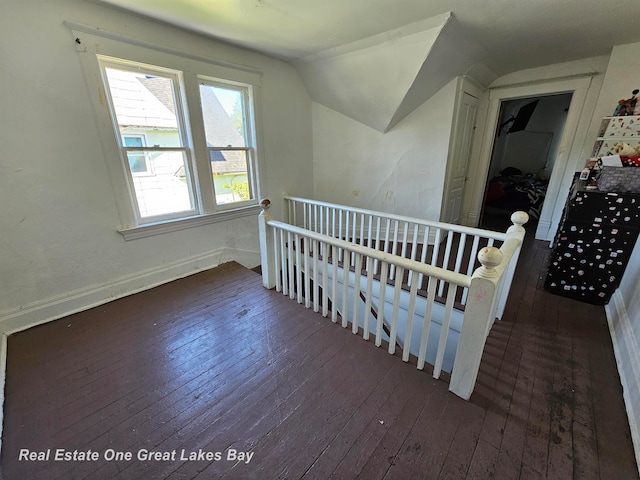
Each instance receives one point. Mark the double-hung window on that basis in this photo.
(146, 107)
(183, 147)
(228, 136)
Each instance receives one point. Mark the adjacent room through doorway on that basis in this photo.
(525, 148)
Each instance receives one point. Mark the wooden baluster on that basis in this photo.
(356, 293)
(354, 237)
(305, 216)
(445, 261)
(444, 330)
(367, 304)
(405, 240)
(375, 262)
(436, 247)
(461, 247)
(409, 323)
(384, 269)
(396, 305)
(325, 280)
(370, 231)
(471, 266)
(306, 272)
(316, 288)
(298, 264)
(414, 248)
(423, 253)
(334, 283)
(283, 259)
(431, 295)
(347, 222)
(333, 222)
(292, 288)
(277, 252)
(387, 246)
(394, 249)
(345, 289)
(342, 213)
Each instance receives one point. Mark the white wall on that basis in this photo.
(623, 311)
(59, 248)
(401, 171)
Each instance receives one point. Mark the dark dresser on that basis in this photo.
(594, 241)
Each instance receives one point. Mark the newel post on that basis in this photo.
(515, 233)
(518, 219)
(475, 326)
(267, 254)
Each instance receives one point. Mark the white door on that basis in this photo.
(456, 177)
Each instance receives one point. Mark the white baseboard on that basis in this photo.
(543, 232)
(627, 352)
(59, 306)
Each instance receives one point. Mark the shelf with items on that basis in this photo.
(614, 131)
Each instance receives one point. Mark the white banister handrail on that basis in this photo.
(299, 261)
(425, 269)
(508, 248)
(401, 218)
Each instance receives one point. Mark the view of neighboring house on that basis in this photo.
(145, 107)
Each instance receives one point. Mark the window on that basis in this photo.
(138, 160)
(224, 111)
(186, 151)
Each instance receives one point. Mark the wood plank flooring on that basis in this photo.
(216, 363)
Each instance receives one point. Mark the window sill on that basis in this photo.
(159, 228)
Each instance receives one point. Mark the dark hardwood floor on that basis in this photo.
(216, 363)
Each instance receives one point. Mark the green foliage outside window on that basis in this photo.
(240, 190)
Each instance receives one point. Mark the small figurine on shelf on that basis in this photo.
(626, 107)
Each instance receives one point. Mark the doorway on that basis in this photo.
(567, 160)
(525, 148)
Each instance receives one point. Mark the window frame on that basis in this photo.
(184, 134)
(92, 45)
(248, 115)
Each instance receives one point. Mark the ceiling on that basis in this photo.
(514, 34)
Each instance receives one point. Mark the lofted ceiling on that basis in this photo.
(424, 43)
(516, 34)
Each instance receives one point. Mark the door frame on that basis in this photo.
(570, 147)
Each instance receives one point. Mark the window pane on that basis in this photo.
(137, 160)
(145, 105)
(230, 176)
(145, 108)
(166, 191)
(223, 112)
(133, 141)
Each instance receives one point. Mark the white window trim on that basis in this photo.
(150, 229)
(90, 42)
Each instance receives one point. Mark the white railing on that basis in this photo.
(452, 247)
(315, 264)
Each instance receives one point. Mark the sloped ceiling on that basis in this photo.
(493, 37)
(369, 80)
